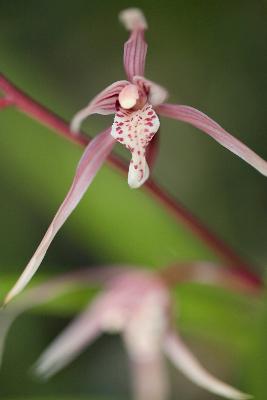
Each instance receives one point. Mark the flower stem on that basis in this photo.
(23, 102)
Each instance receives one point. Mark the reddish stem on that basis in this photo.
(5, 102)
(36, 111)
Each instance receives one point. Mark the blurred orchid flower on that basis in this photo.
(136, 103)
(136, 304)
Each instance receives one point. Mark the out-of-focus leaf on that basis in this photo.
(223, 316)
(56, 398)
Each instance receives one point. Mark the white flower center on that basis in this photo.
(128, 96)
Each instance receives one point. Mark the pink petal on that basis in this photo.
(38, 295)
(93, 157)
(207, 125)
(104, 103)
(135, 48)
(108, 312)
(53, 288)
(185, 361)
(135, 129)
(208, 273)
(149, 379)
(156, 93)
(69, 344)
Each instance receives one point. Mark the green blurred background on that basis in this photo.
(209, 54)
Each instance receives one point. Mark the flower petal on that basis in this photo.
(135, 129)
(207, 125)
(183, 359)
(69, 344)
(53, 288)
(107, 312)
(156, 93)
(35, 296)
(135, 48)
(104, 103)
(205, 272)
(94, 156)
(149, 378)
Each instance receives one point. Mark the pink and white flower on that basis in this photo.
(136, 103)
(136, 304)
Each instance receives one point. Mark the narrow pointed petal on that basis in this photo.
(94, 156)
(135, 129)
(207, 125)
(185, 361)
(104, 103)
(52, 289)
(149, 379)
(38, 295)
(209, 273)
(135, 48)
(156, 93)
(69, 344)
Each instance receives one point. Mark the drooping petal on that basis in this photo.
(53, 288)
(135, 48)
(207, 125)
(38, 295)
(104, 103)
(156, 93)
(185, 361)
(135, 129)
(108, 312)
(69, 344)
(93, 157)
(149, 378)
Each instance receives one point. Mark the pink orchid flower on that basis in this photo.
(137, 304)
(135, 103)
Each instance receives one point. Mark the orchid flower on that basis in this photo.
(135, 303)
(136, 103)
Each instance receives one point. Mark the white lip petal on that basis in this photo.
(136, 177)
(135, 129)
(186, 362)
(149, 378)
